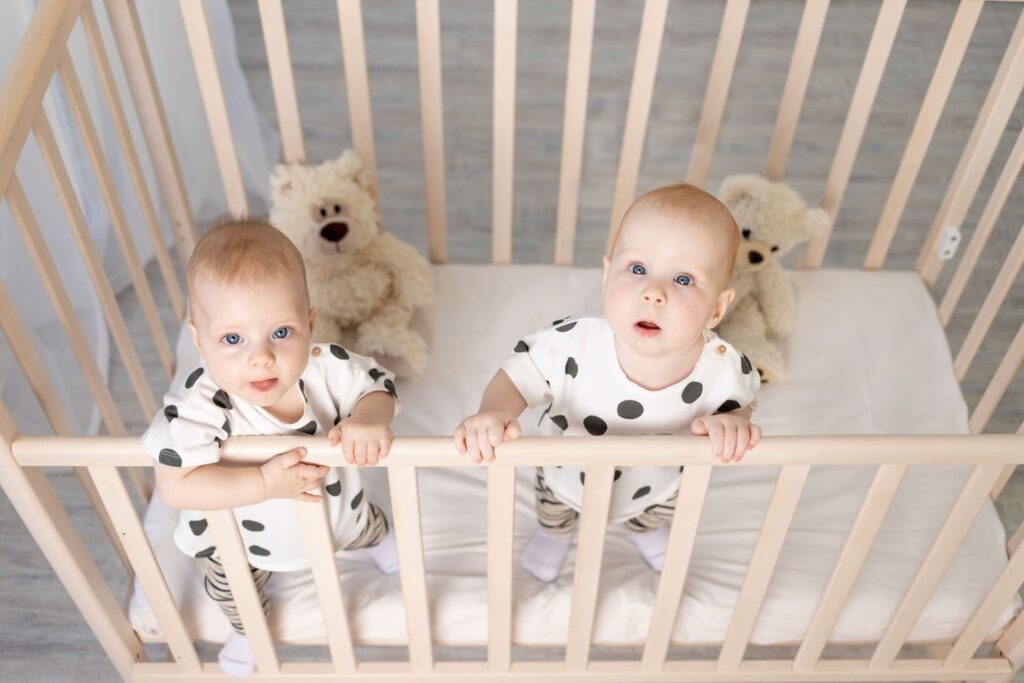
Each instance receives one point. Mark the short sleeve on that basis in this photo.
(351, 376)
(738, 382)
(194, 422)
(535, 362)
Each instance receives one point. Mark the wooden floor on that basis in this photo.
(42, 636)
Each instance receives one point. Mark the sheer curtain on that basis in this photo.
(258, 147)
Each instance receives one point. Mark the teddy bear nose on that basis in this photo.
(755, 257)
(334, 232)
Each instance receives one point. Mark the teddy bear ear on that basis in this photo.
(353, 164)
(281, 180)
(736, 188)
(817, 223)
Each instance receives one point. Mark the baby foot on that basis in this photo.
(385, 554)
(652, 545)
(544, 555)
(236, 658)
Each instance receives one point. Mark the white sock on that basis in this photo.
(652, 545)
(385, 554)
(236, 657)
(544, 555)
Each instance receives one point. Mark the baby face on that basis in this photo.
(255, 338)
(664, 282)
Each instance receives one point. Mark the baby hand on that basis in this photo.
(286, 476)
(731, 435)
(362, 442)
(479, 434)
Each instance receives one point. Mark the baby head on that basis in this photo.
(251, 318)
(667, 276)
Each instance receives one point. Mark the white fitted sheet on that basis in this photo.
(867, 356)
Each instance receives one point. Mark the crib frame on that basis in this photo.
(101, 461)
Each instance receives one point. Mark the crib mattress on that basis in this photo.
(868, 356)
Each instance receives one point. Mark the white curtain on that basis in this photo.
(258, 147)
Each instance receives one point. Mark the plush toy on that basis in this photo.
(772, 219)
(364, 283)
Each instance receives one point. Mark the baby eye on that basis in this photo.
(282, 333)
(683, 280)
(637, 269)
(231, 339)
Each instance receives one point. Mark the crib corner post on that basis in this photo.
(1011, 645)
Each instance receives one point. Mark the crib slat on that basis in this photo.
(504, 125)
(802, 62)
(689, 505)
(124, 21)
(118, 220)
(762, 564)
(1002, 481)
(320, 544)
(924, 128)
(94, 264)
(990, 307)
(597, 495)
(946, 543)
(357, 85)
(574, 123)
(132, 163)
(117, 503)
(988, 129)
(645, 68)
(235, 562)
(405, 505)
(877, 56)
(428, 37)
(719, 80)
(1000, 381)
(212, 91)
(282, 80)
(501, 502)
(862, 535)
(980, 235)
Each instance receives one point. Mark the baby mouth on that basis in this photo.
(646, 328)
(264, 384)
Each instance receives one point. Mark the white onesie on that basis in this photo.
(198, 416)
(573, 366)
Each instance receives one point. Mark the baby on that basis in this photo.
(260, 374)
(651, 365)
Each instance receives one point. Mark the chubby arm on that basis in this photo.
(496, 420)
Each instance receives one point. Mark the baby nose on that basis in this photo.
(654, 295)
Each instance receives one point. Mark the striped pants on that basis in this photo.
(216, 583)
(559, 519)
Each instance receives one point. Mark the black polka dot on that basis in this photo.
(220, 441)
(692, 392)
(566, 327)
(252, 525)
(630, 410)
(681, 468)
(226, 427)
(595, 425)
(390, 387)
(745, 365)
(170, 412)
(207, 552)
(357, 499)
(221, 399)
(337, 420)
(641, 492)
(308, 428)
(196, 374)
(728, 406)
(170, 457)
(198, 526)
(376, 374)
(618, 473)
(583, 477)
(571, 368)
(560, 320)
(302, 389)
(334, 489)
(521, 347)
(339, 352)
(560, 420)
(258, 550)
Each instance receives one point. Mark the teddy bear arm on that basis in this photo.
(414, 283)
(777, 300)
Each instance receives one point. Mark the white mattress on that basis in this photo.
(868, 356)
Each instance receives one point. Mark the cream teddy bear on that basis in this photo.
(772, 219)
(364, 283)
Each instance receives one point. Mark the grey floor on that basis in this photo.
(42, 635)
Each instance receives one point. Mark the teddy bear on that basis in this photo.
(364, 283)
(772, 219)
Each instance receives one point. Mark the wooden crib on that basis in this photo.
(100, 462)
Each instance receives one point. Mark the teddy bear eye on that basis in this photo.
(337, 208)
(323, 213)
(775, 248)
(746, 233)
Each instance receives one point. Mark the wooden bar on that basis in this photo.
(719, 80)
(924, 128)
(501, 503)
(282, 80)
(1015, 540)
(807, 39)
(1007, 472)
(504, 129)
(357, 84)
(597, 495)
(877, 56)
(574, 123)
(428, 36)
(988, 129)
(783, 504)
(685, 520)
(405, 505)
(132, 162)
(999, 383)
(645, 68)
(198, 31)
(233, 558)
(1011, 644)
(862, 535)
